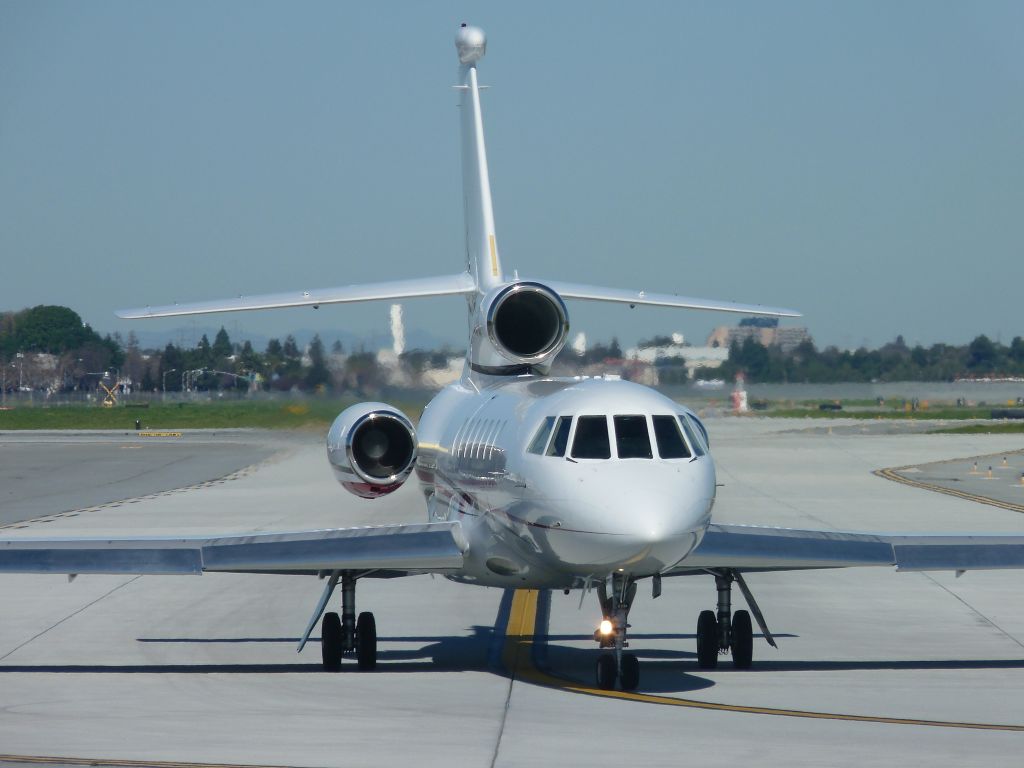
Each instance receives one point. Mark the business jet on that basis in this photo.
(529, 481)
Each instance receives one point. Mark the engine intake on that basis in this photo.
(372, 449)
(527, 322)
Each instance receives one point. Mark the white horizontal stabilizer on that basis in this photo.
(621, 296)
(446, 285)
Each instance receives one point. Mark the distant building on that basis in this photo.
(692, 358)
(765, 330)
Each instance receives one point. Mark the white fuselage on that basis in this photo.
(535, 511)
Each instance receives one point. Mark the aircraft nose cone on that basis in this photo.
(655, 518)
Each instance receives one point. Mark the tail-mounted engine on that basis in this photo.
(518, 328)
(372, 449)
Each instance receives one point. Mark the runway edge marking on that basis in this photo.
(518, 658)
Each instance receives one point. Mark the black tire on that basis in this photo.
(629, 675)
(366, 641)
(742, 640)
(606, 671)
(707, 640)
(330, 642)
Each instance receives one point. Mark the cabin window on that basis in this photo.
(670, 441)
(632, 439)
(591, 439)
(691, 436)
(540, 440)
(561, 438)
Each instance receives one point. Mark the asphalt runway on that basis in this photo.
(873, 666)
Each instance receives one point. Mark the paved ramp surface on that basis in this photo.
(873, 666)
(43, 473)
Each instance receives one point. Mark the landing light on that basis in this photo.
(606, 627)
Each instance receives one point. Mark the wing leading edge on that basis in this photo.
(752, 548)
(398, 549)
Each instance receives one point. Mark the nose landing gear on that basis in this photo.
(616, 664)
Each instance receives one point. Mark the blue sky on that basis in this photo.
(862, 162)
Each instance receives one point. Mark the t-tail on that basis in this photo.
(482, 258)
(515, 326)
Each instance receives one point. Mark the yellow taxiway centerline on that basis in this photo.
(518, 659)
(892, 474)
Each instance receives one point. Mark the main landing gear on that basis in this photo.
(725, 631)
(346, 634)
(616, 664)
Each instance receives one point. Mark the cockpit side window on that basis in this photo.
(703, 431)
(540, 440)
(561, 438)
(670, 441)
(632, 439)
(691, 436)
(591, 439)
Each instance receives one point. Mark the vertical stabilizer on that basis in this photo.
(482, 256)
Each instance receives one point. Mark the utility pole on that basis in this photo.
(165, 381)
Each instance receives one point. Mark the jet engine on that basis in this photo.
(519, 327)
(372, 449)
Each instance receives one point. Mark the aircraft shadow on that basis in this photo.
(665, 670)
(892, 665)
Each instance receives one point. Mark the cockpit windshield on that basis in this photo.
(632, 439)
(678, 436)
(670, 441)
(591, 438)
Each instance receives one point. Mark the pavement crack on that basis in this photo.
(504, 717)
(734, 479)
(972, 609)
(69, 616)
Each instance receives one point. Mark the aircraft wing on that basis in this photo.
(622, 296)
(394, 549)
(446, 285)
(753, 548)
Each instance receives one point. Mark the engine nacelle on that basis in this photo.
(372, 449)
(518, 327)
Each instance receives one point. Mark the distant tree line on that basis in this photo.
(77, 351)
(895, 361)
(80, 357)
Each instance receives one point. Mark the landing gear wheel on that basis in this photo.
(366, 641)
(629, 675)
(606, 671)
(707, 640)
(742, 640)
(330, 642)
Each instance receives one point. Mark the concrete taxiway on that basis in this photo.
(873, 666)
